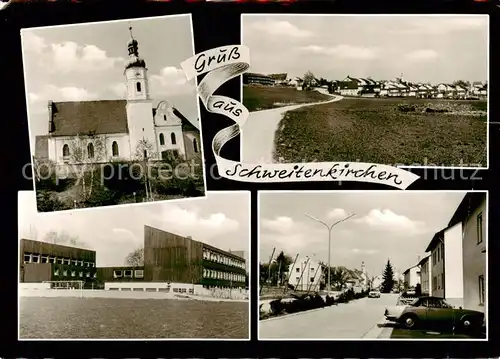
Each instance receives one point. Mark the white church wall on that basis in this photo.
(140, 124)
(167, 132)
(122, 140)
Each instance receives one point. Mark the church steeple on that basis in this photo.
(135, 72)
(133, 53)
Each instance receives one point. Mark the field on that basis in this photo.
(92, 318)
(388, 131)
(257, 98)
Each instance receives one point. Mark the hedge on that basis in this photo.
(306, 302)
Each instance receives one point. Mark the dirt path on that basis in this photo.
(259, 131)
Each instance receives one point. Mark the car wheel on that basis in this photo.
(468, 324)
(409, 321)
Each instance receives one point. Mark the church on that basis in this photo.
(110, 130)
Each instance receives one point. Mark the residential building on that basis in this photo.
(472, 214)
(42, 261)
(411, 277)
(479, 90)
(305, 274)
(351, 86)
(446, 248)
(108, 130)
(425, 91)
(446, 91)
(280, 79)
(257, 79)
(436, 249)
(425, 275)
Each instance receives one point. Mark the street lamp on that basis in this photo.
(329, 227)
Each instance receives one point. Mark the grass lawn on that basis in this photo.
(377, 131)
(256, 98)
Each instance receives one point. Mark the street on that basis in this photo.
(258, 132)
(359, 319)
(354, 320)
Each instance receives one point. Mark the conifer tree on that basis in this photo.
(388, 278)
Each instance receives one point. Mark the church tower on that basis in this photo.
(139, 105)
(136, 73)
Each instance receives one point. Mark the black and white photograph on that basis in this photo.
(112, 118)
(399, 90)
(157, 272)
(371, 265)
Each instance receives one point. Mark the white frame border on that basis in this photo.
(488, 123)
(249, 268)
(166, 17)
(416, 192)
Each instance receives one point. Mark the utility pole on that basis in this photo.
(329, 227)
(285, 288)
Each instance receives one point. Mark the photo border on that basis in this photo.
(198, 107)
(249, 271)
(488, 41)
(346, 192)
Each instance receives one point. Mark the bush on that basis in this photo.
(102, 196)
(403, 107)
(48, 202)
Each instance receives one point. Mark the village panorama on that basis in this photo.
(385, 99)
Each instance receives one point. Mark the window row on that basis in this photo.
(220, 258)
(38, 258)
(128, 273)
(298, 269)
(438, 254)
(173, 141)
(164, 290)
(73, 273)
(438, 282)
(90, 150)
(210, 273)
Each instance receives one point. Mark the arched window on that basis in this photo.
(162, 139)
(145, 154)
(173, 139)
(90, 150)
(65, 150)
(164, 117)
(138, 86)
(195, 145)
(114, 149)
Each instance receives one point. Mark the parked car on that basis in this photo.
(374, 294)
(432, 311)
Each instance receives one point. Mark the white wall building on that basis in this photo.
(306, 274)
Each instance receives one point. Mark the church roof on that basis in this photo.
(83, 117)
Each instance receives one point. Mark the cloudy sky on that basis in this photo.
(422, 48)
(221, 220)
(395, 225)
(86, 62)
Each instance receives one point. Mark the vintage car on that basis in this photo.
(433, 311)
(374, 294)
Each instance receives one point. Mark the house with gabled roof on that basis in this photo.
(446, 91)
(352, 86)
(125, 129)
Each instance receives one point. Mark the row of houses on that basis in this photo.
(454, 267)
(368, 87)
(308, 274)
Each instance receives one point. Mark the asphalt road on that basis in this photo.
(362, 318)
(258, 132)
